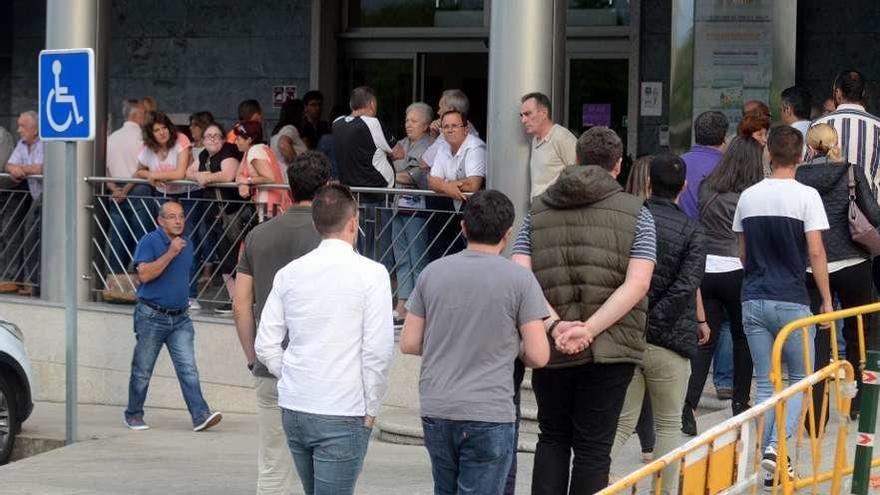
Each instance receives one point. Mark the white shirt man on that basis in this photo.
(553, 146)
(125, 143)
(27, 157)
(335, 307)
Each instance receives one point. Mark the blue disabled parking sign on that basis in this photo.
(67, 95)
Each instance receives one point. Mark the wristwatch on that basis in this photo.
(552, 326)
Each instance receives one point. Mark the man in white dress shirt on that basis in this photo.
(335, 307)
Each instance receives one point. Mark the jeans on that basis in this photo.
(153, 330)
(469, 456)
(578, 409)
(721, 294)
(328, 451)
(274, 465)
(410, 242)
(375, 224)
(762, 321)
(664, 376)
(722, 361)
(31, 246)
(128, 223)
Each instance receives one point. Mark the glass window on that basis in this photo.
(598, 12)
(392, 79)
(415, 13)
(598, 95)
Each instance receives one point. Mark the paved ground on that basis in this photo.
(170, 458)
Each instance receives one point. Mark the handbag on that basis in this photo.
(860, 229)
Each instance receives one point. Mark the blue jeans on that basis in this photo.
(410, 242)
(328, 451)
(153, 330)
(469, 456)
(129, 221)
(762, 321)
(722, 361)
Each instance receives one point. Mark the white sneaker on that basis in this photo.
(194, 305)
(212, 420)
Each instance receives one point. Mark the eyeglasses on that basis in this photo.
(211, 137)
(452, 127)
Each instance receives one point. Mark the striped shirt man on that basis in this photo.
(859, 135)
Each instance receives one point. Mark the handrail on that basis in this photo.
(356, 189)
(34, 176)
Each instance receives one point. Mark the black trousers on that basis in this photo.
(721, 292)
(578, 410)
(853, 287)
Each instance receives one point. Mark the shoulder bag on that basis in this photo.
(860, 229)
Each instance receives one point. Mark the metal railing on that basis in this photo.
(726, 458)
(402, 238)
(20, 225)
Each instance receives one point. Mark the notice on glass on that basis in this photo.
(596, 114)
(280, 94)
(733, 55)
(651, 99)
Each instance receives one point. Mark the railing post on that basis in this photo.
(867, 424)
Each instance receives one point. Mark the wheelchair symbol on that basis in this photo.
(59, 94)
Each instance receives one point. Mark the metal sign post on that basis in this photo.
(867, 424)
(67, 113)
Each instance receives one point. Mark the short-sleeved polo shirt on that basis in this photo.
(170, 290)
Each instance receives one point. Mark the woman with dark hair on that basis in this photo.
(218, 163)
(286, 142)
(198, 122)
(739, 168)
(165, 157)
(259, 166)
(638, 181)
(849, 265)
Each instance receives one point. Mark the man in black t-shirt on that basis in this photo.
(362, 157)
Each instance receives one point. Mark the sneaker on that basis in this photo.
(647, 457)
(724, 393)
(769, 475)
(194, 305)
(223, 309)
(211, 420)
(136, 423)
(688, 422)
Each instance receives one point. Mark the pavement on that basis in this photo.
(171, 458)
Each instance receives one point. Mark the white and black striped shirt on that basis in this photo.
(859, 138)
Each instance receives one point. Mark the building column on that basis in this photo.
(73, 24)
(526, 53)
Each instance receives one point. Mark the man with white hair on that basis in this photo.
(123, 147)
(450, 99)
(19, 246)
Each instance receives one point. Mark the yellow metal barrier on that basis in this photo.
(718, 460)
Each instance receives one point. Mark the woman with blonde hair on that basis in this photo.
(849, 266)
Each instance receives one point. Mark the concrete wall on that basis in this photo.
(106, 342)
(190, 55)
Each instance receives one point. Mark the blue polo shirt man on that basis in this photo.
(163, 259)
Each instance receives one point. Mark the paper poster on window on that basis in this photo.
(733, 55)
(596, 114)
(652, 99)
(280, 94)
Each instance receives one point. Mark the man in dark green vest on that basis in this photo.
(592, 248)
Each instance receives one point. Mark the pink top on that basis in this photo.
(151, 160)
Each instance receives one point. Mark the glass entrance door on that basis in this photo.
(598, 95)
(468, 72)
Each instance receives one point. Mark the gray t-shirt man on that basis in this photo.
(269, 248)
(473, 304)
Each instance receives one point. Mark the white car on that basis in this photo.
(16, 387)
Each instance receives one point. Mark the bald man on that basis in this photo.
(163, 259)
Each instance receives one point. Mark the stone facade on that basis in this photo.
(189, 55)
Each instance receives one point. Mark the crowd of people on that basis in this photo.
(612, 291)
